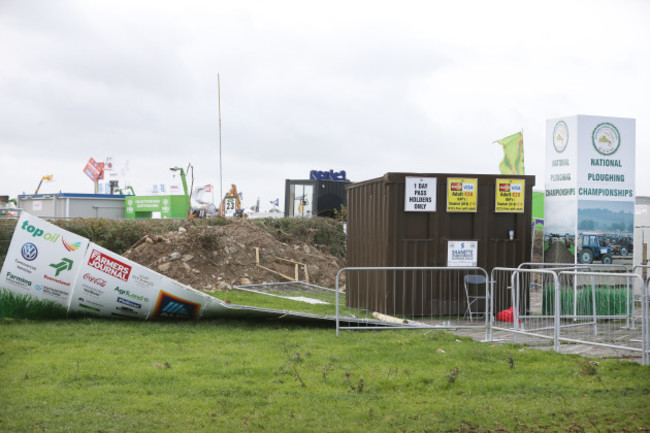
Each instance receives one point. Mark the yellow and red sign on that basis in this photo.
(462, 194)
(510, 195)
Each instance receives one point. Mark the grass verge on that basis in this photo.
(282, 301)
(25, 307)
(93, 375)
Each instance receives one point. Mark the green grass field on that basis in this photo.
(93, 375)
(281, 302)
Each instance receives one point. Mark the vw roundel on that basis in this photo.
(29, 251)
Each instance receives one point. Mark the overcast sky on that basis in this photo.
(368, 87)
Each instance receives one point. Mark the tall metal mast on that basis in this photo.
(220, 165)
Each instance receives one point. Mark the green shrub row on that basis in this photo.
(119, 235)
(609, 300)
(115, 235)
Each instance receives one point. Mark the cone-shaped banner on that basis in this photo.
(45, 262)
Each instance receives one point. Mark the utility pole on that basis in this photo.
(220, 165)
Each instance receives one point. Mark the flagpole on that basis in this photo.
(220, 166)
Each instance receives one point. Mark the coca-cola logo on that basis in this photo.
(95, 280)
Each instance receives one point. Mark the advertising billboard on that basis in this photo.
(590, 175)
(111, 285)
(43, 260)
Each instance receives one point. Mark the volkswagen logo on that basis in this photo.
(29, 251)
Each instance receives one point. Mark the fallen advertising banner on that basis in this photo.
(46, 262)
(43, 260)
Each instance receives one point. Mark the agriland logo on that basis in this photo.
(606, 139)
(131, 295)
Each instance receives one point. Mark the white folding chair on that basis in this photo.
(475, 280)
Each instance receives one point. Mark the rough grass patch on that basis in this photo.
(14, 306)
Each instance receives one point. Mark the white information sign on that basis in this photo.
(607, 159)
(462, 253)
(42, 260)
(230, 206)
(420, 194)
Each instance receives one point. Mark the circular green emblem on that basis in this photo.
(560, 136)
(606, 139)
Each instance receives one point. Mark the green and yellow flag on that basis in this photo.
(513, 154)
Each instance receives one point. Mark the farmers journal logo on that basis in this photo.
(109, 265)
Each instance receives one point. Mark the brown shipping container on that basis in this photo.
(382, 234)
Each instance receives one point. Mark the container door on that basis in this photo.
(302, 196)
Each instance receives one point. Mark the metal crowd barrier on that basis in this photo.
(415, 297)
(597, 305)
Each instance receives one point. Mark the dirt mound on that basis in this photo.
(558, 253)
(218, 257)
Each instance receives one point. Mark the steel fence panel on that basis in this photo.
(594, 267)
(528, 315)
(575, 304)
(645, 317)
(416, 297)
(643, 272)
(599, 309)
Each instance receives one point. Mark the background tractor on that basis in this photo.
(594, 247)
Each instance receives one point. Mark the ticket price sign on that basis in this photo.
(420, 194)
(462, 194)
(510, 195)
